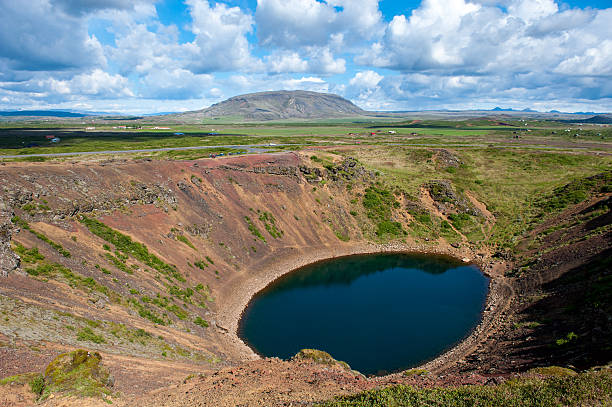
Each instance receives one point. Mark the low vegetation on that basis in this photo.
(254, 230)
(379, 203)
(592, 388)
(79, 373)
(26, 226)
(126, 245)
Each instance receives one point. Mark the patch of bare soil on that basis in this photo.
(273, 382)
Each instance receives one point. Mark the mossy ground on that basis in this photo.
(591, 388)
(78, 373)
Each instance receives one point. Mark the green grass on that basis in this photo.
(145, 312)
(511, 182)
(126, 245)
(378, 203)
(115, 261)
(254, 229)
(25, 225)
(575, 192)
(270, 224)
(44, 269)
(593, 388)
(28, 255)
(86, 334)
(199, 321)
(183, 238)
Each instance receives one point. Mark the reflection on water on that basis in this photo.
(379, 313)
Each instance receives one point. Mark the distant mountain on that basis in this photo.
(279, 105)
(42, 113)
(598, 119)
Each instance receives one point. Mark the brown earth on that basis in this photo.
(207, 201)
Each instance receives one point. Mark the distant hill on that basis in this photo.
(279, 105)
(41, 113)
(598, 119)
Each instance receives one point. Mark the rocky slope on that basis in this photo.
(150, 263)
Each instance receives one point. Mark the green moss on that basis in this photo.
(320, 357)
(79, 373)
(415, 372)
(19, 379)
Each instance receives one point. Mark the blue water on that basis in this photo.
(379, 313)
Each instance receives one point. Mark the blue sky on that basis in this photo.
(146, 56)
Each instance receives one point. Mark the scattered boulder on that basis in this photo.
(446, 159)
(447, 200)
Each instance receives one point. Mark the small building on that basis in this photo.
(179, 134)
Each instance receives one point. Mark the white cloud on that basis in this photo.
(595, 61)
(176, 84)
(38, 37)
(366, 79)
(141, 51)
(99, 83)
(460, 36)
(530, 10)
(221, 43)
(299, 23)
(311, 83)
(284, 61)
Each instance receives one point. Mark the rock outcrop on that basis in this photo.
(9, 261)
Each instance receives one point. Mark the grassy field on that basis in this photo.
(30, 138)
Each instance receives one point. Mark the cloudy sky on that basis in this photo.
(147, 56)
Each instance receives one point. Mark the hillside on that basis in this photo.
(151, 262)
(279, 105)
(598, 119)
